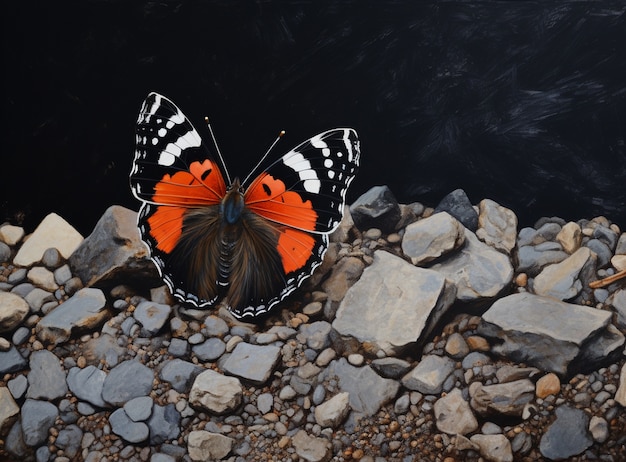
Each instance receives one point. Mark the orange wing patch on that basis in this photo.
(295, 248)
(201, 185)
(268, 197)
(166, 225)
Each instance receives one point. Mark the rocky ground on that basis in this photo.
(428, 334)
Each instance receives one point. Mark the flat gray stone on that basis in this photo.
(567, 436)
(215, 392)
(392, 306)
(69, 439)
(13, 311)
(532, 259)
(17, 386)
(254, 363)
(478, 271)
(37, 418)
(391, 368)
(209, 350)
(84, 311)
(547, 333)
(429, 375)
(46, 379)
(502, 399)
(203, 445)
(12, 361)
(564, 280)
(139, 409)
(124, 427)
(311, 448)
(428, 239)
(152, 317)
(126, 381)
(180, 374)
(164, 424)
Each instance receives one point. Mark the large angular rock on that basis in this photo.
(549, 334)
(502, 399)
(113, 251)
(37, 418)
(216, 393)
(497, 226)
(377, 208)
(84, 311)
(11, 361)
(453, 414)
(152, 317)
(567, 436)
(46, 379)
(332, 412)
(429, 375)
(459, 206)
(13, 310)
(254, 363)
(52, 232)
(564, 280)
(478, 270)
(393, 306)
(428, 239)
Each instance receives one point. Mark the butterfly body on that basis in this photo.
(250, 246)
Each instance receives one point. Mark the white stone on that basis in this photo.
(332, 412)
(430, 238)
(42, 277)
(52, 232)
(494, 448)
(203, 445)
(563, 280)
(453, 414)
(619, 262)
(215, 392)
(10, 234)
(13, 310)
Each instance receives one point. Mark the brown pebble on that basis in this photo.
(547, 385)
(477, 343)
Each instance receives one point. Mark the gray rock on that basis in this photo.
(332, 412)
(620, 394)
(381, 307)
(547, 333)
(126, 428)
(265, 402)
(432, 237)
(497, 226)
(86, 310)
(532, 259)
(17, 386)
(254, 363)
(46, 379)
(164, 424)
(139, 409)
(459, 206)
(599, 429)
(565, 280)
(62, 274)
(368, 391)
(495, 448)
(209, 350)
(215, 392)
(178, 347)
(391, 368)
(311, 448)
(52, 232)
(567, 436)
(501, 399)
(429, 375)
(126, 381)
(87, 384)
(162, 458)
(203, 445)
(13, 311)
(69, 439)
(478, 270)
(9, 410)
(37, 418)
(453, 414)
(11, 361)
(316, 334)
(344, 275)
(5, 252)
(180, 374)
(214, 327)
(377, 208)
(20, 335)
(152, 317)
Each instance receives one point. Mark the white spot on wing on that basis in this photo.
(302, 167)
(167, 159)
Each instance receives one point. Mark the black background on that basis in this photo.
(523, 103)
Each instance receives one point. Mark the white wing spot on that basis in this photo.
(167, 159)
(302, 167)
(162, 132)
(331, 174)
(328, 163)
(326, 152)
(155, 141)
(169, 124)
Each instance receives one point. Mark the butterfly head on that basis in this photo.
(233, 203)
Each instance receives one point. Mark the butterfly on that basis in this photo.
(246, 243)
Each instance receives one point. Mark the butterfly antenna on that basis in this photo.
(280, 135)
(208, 124)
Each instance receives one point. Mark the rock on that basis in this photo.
(456, 346)
(180, 374)
(128, 380)
(42, 277)
(254, 363)
(316, 335)
(391, 368)
(377, 208)
(495, 448)
(214, 327)
(11, 361)
(9, 410)
(602, 251)
(18, 386)
(618, 301)
(570, 237)
(13, 311)
(51, 258)
(123, 426)
(11, 234)
(367, 390)
(567, 436)
(532, 259)
(497, 226)
(459, 206)
(620, 394)
(52, 232)
(549, 334)
(265, 402)
(215, 392)
(332, 412)
(343, 276)
(311, 448)
(46, 378)
(478, 271)
(380, 308)
(37, 298)
(432, 237)
(37, 418)
(152, 317)
(164, 424)
(548, 385)
(84, 311)
(139, 409)
(5, 252)
(507, 399)
(599, 429)
(209, 350)
(429, 375)
(564, 280)
(113, 251)
(453, 414)
(203, 445)
(69, 440)
(619, 262)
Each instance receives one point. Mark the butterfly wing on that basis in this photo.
(302, 195)
(174, 173)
